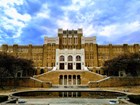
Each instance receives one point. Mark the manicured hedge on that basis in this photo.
(134, 98)
(3, 98)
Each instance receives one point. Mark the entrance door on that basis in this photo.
(78, 66)
(61, 66)
(70, 66)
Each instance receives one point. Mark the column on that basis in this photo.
(67, 94)
(71, 94)
(63, 79)
(66, 61)
(76, 79)
(67, 80)
(72, 80)
(74, 61)
(62, 94)
(76, 94)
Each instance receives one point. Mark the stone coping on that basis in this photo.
(126, 90)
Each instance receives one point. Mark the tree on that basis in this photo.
(14, 67)
(129, 63)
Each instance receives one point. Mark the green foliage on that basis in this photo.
(14, 67)
(3, 98)
(130, 63)
(10, 65)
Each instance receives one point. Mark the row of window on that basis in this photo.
(69, 40)
(70, 32)
(70, 58)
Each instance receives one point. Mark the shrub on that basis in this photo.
(134, 98)
(3, 98)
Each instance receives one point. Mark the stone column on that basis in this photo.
(76, 94)
(72, 80)
(62, 94)
(76, 79)
(74, 61)
(66, 61)
(71, 94)
(67, 80)
(63, 80)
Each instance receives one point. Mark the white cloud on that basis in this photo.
(11, 20)
(78, 4)
(50, 32)
(44, 12)
(12, 13)
(79, 19)
(119, 29)
(10, 3)
(66, 23)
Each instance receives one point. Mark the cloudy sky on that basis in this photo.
(28, 21)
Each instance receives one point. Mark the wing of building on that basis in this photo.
(69, 58)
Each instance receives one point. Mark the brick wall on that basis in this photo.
(27, 82)
(115, 82)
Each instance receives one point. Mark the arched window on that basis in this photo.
(62, 58)
(70, 58)
(78, 58)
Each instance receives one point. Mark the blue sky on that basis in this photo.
(28, 21)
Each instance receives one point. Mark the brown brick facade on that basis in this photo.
(44, 55)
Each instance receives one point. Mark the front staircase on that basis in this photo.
(53, 77)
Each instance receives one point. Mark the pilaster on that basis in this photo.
(110, 51)
(44, 55)
(125, 48)
(15, 49)
(95, 54)
(30, 51)
(136, 48)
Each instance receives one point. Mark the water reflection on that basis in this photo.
(67, 94)
(68, 97)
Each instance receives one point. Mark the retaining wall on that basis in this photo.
(26, 82)
(115, 82)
